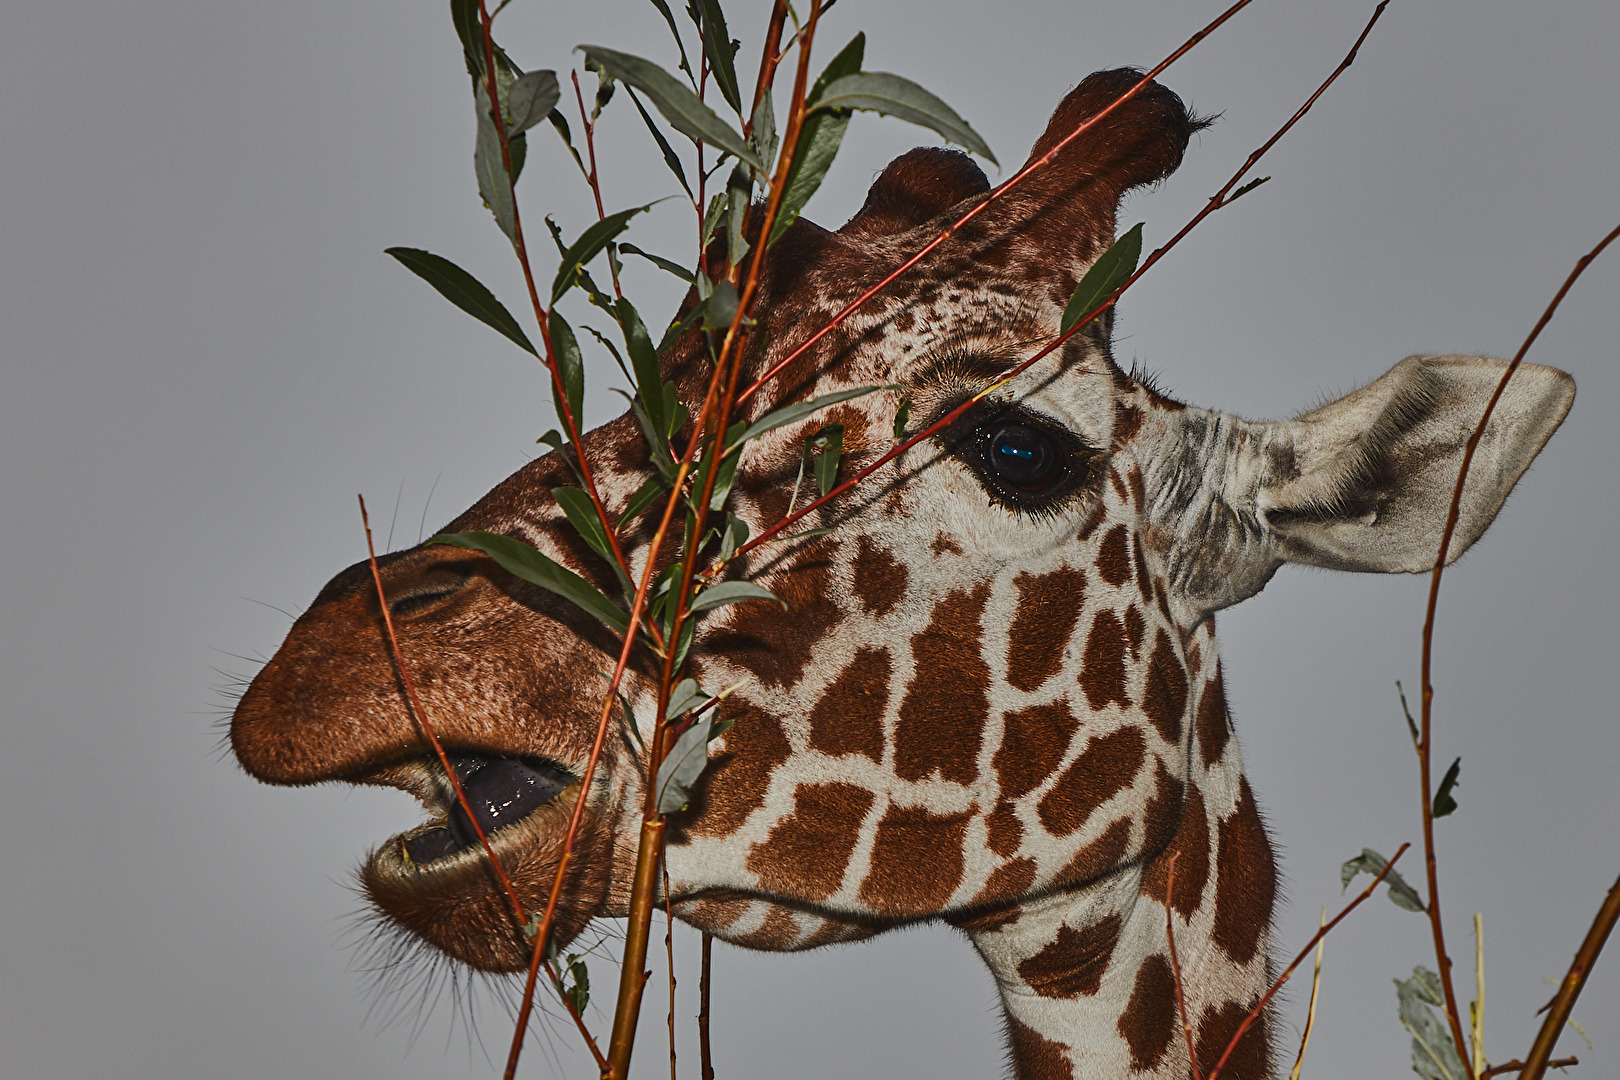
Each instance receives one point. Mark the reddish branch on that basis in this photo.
(1175, 964)
(1558, 1009)
(1453, 512)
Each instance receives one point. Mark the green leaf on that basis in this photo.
(1369, 861)
(721, 306)
(763, 134)
(659, 261)
(720, 49)
(560, 122)
(464, 291)
(581, 514)
(678, 773)
(679, 105)
(723, 481)
(1111, 270)
(663, 8)
(820, 136)
(798, 410)
(589, 245)
(531, 100)
(730, 592)
(686, 695)
(733, 536)
(902, 417)
(464, 14)
(521, 560)
(1444, 803)
(670, 157)
(739, 194)
(1434, 1055)
(711, 217)
(831, 445)
(893, 95)
(644, 361)
(645, 496)
(571, 366)
(494, 184)
(1244, 190)
(1411, 725)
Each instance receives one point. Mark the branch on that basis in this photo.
(1453, 512)
(1175, 964)
(1497, 1070)
(1563, 1002)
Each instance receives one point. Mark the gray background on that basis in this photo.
(206, 355)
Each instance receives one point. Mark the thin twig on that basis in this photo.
(1310, 1010)
(1545, 1039)
(1476, 1010)
(591, 178)
(669, 958)
(1175, 965)
(1327, 927)
(704, 1052)
(1498, 1070)
(1559, 1008)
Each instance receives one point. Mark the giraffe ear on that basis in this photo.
(1066, 209)
(917, 187)
(1364, 483)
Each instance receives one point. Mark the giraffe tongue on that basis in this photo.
(500, 791)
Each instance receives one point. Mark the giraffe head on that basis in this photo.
(994, 681)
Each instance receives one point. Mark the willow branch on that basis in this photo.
(1564, 1001)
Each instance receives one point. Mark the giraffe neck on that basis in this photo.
(1085, 974)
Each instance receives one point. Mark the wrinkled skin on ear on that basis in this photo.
(1362, 483)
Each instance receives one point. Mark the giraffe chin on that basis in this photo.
(454, 900)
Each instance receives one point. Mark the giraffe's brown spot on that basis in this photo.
(1245, 880)
(1102, 671)
(1150, 1017)
(715, 915)
(880, 578)
(1098, 857)
(1127, 422)
(776, 934)
(1098, 515)
(1073, 963)
(1133, 480)
(775, 644)
(1004, 831)
(942, 717)
(848, 718)
(1190, 845)
(1009, 882)
(807, 851)
(735, 784)
(986, 920)
(944, 544)
(1119, 485)
(1106, 767)
(1134, 626)
(916, 861)
(1251, 1058)
(1214, 724)
(1162, 815)
(1114, 557)
(1035, 1057)
(1143, 577)
(1164, 697)
(1048, 607)
(1033, 741)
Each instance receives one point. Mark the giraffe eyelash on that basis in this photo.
(1026, 463)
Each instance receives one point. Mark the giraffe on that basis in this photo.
(994, 697)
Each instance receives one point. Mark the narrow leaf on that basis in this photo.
(686, 695)
(832, 449)
(521, 560)
(464, 291)
(659, 261)
(1444, 802)
(531, 100)
(1411, 725)
(902, 417)
(670, 157)
(663, 9)
(1111, 270)
(494, 184)
(894, 95)
(581, 514)
(820, 136)
(589, 245)
(798, 410)
(739, 193)
(717, 46)
(680, 106)
(1244, 190)
(763, 135)
(644, 497)
(643, 360)
(731, 592)
(678, 773)
(571, 366)
(1369, 861)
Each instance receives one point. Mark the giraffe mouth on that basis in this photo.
(501, 792)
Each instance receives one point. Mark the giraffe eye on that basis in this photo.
(1022, 457)
(1025, 462)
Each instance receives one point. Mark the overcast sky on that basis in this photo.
(206, 355)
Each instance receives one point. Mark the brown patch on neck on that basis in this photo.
(1096, 858)
(1164, 696)
(1108, 766)
(1102, 671)
(807, 851)
(1036, 1057)
(848, 717)
(1073, 963)
(1214, 723)
(942, 717)
(1149, 1019)
(1251, 1059)
(1190, 846)
(916, 862)
(1033, 741)
(1113, 557)
(1245, 880)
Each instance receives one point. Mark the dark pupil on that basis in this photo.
(1020, 455)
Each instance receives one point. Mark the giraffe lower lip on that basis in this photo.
(500, 790)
